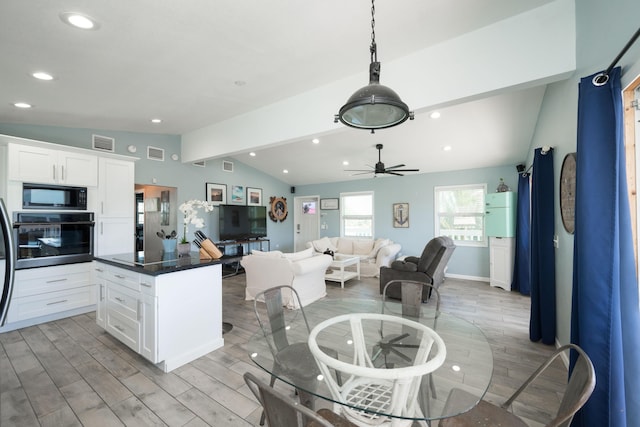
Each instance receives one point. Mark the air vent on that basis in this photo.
(201, 163)
(154, 153)
(227, 166)
(103, 143)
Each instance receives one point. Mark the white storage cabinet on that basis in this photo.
(501, 256)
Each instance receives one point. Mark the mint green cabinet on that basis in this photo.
(500, 214)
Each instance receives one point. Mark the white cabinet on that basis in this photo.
(51, 166)
(501, 256)
(116, 207)
(170, 319)
(49, 292)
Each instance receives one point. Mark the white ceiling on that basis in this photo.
(180, 61)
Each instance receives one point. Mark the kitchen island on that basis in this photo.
(164, 307)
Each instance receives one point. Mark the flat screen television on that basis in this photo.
(242, 222)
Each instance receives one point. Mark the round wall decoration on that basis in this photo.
(568, 192)
(278, 210)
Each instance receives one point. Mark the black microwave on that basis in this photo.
(44, 196)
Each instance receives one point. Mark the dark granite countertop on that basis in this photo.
(156, 263)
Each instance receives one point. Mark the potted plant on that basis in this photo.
(190, 212)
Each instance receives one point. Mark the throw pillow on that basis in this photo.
(362, 247)
(296, 256)
(379, 243)
(323, 244)
(345, 246)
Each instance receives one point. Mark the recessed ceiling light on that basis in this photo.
(345, 163)
(22, 105)
(435, 115)
(315, 141)
(156, 120)
(79, 20)
(447, 148)
(252, 154)
(41, 75)
(285, 171)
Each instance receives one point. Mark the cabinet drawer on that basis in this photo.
(51, 302)
(35, 281)
(123, 301)
(123, 277)
(124, 329)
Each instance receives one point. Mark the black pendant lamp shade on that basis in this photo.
(374, 106)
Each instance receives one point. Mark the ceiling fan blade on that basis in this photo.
(358, 170)
(393, 173)
(406, 170)
(361, 173)
(395, 167)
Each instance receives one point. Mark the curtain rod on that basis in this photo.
(602, 78)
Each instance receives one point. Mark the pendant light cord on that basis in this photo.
(373, 48)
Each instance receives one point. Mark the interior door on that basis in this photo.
(306, 218)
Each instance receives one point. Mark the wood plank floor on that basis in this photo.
(70, 373)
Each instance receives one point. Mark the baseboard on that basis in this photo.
(465, 277)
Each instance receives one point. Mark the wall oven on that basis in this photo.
(52, 238)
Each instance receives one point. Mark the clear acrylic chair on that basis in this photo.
(367, 391)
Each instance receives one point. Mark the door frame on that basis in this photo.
(296, 217)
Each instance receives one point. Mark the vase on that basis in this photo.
(184, 248)
(169, 245)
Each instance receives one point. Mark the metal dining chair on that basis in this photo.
(368, 392)
(291, 355)
(579, 388)
(282, 411)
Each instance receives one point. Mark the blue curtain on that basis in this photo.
(542, 325)
(522, 272)
(605, 320)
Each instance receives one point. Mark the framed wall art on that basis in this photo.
(401, 215)
(216, 193)
(329, 204)
(237, 194)
(254, 196)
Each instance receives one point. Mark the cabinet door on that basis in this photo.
(101, 303)
(116, 189)
(501, 262)
(78, 169)
(115, 236)
(32, 164)
(149, 328)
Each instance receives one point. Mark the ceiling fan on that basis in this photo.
(379, 168)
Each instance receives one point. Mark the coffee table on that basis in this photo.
(338, 272)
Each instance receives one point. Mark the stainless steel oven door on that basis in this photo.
(45, 239)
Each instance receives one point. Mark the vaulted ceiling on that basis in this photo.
(224, 75)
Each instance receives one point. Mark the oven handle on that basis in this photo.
(90, 223)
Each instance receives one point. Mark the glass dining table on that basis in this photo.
(468, 364)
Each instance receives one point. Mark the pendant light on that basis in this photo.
(374, 106)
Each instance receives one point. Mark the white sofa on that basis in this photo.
(373, 254)
(304, 271)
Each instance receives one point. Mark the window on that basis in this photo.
(356, 214)
(460, 213)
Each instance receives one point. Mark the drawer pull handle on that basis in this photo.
(120, 300)
(57, 302)
(120, 328)
(56, 280)
(99, 269)
(119, 276)
(146, 285)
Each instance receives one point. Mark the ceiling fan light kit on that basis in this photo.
(374, 106)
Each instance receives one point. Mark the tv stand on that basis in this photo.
(237, 247)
